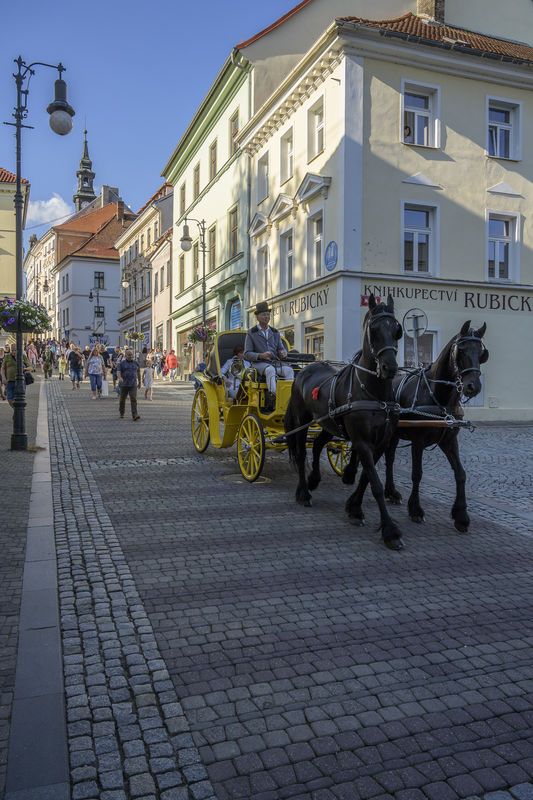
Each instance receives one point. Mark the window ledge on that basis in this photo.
(423, 146)
(416, 274)
(312, 158)
(502, 158)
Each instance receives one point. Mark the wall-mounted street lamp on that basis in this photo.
(61, 123)
(186, 244)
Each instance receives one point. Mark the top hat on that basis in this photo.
(260, 307)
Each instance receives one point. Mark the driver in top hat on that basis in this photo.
(263, 347)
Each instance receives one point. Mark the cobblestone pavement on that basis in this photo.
(16, 475)
(297, 656)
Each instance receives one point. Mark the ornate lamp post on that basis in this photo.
(61, 123)
(130, 275)
(186, 244)
(91, 298)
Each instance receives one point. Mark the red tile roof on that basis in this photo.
(416, 28)
(8, 177)
(161, 192)
(89, 223)
(274, 25)
(102, 243)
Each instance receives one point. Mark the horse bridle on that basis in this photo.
(387, 347)
(459, 373)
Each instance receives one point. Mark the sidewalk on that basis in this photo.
(221, 642)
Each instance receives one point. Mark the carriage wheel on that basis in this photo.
(251, 448)
(339, 456)
(200, 421)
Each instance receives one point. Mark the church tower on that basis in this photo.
(85, 176)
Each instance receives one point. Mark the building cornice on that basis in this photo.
(133, 230)
(227, 83)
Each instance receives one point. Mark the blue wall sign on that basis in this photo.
(235, 315)
(331, 255)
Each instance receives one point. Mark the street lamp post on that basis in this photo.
(91, 298)
(130, 275)
(186, 244)
(61, 123)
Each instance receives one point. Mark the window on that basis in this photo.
(168, 273)
(212, 160)
(155, 231)
(99, 311)
(315, 129)
(195, 262)
(314, 246)
(503, 247)
(233, 232)
(262, 178)
(263, 274)
(148, 237)
(314, 339)
(287, 261)
(98, 280)
(503, 128)
(286, 170)
(420, 239)
(141, 287)
(182, 200)
(161, 279)
(196, 181)
(233, 131)
(142, 242)
(425, 346)
(212, 247)
(182, 273)
(148, 283)
(421, 114)
(156, 277)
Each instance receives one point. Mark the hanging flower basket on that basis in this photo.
(135, 336)
(33, 317)
(202, 333)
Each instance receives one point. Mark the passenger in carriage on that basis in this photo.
(232, 377)
(263, 346)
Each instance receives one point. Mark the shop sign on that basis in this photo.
(331, 256)
(310, 301)
(235, 315)
(491, 301)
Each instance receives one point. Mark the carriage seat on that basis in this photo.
(226, 343)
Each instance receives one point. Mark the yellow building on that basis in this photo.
(8, 185)
(392, 157)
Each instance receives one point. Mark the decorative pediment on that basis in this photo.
(422, 180)
(311, 186)
(284, 205)
(504, 188)
(258, 225)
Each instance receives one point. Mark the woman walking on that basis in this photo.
(95, 369)
(148, 379)
(31, 352)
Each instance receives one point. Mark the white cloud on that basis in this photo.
(48, 211)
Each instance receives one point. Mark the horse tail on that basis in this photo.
(291, 422)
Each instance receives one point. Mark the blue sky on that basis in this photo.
(136, 72)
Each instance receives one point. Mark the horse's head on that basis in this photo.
(382, 331)
(466, 355)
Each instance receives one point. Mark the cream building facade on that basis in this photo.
(393, 158)
(8, 186)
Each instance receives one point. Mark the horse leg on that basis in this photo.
(355, 501)
(416, 512)
(450, 448)
(391, 492)
(391, 533)
(303, 495)
(314, 477)
(350, 470)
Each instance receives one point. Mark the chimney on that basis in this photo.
(120, 211)
(33, 240)
(434, 9)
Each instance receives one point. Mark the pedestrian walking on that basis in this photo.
(129, 377)
(62, 364)
(172, 364)
(2, 393)
(48, 362)
(148, 379)
(31, 352)
(95, 369)
(75, 365)
(116, 356)
(8, 372)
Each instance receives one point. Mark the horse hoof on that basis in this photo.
(461, 527)
(418, 518)
(357, 521)
(394, 544)
(307, 504)
(394, 499)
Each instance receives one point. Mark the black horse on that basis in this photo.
(435, 391)
(356, 403)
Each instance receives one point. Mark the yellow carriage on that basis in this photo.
(247, 420)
